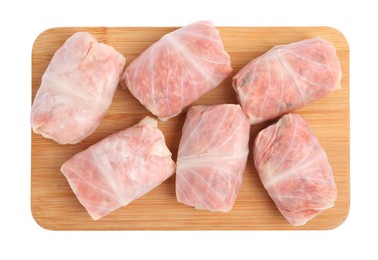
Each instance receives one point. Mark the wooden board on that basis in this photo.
(54, 206)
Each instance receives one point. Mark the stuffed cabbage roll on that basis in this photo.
(178, 69)
(212, 156)
(77, 89)
(294, 169)
(120, 168)
(287, 77)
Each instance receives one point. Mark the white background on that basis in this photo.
(21, 23)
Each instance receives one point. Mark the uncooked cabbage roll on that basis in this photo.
(212, 157)
(120, 168)
(77, 89)
(178, 69)
(294, 169)
(286, 78)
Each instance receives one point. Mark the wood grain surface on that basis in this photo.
(55, 207)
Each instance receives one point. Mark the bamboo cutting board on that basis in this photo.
(55, 207)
